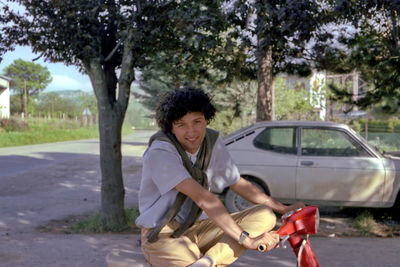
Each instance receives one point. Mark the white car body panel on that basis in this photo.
(340, 179)
(369, 180)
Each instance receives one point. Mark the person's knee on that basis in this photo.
(268, 214)
(257, 219)
(265, 216)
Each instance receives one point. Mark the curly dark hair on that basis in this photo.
(175, 104)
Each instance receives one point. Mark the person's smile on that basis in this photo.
(190, 131)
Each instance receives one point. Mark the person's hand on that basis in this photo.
(295, 206)
(266, 241)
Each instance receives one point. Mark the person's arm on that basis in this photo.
(216, 211)
(252, 193)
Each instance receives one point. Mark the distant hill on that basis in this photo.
(69, 93)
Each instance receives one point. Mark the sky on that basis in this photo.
(64, 77)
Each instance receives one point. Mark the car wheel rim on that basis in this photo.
(241, 203)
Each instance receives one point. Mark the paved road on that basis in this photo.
(23, 158)
(51, 182)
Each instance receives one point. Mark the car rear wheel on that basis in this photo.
(235, 203)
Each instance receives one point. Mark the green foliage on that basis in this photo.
(138, 117)
(291, 103)
(94, 224)
(356, 125)
(383, 134)
(225, 123)
(71, 104)
(13, 125)
(381, 126)
(109, 41)
(372, 50)
(17, 132)
(284, 27)
(234, 101)
(27, 76)
(365, 223)
(45, 131)
(46, 136)
(236, 104)
(283, 30)
(385, 142)
(15, 104)
(28, 80)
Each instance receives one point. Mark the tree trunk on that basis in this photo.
(24, 102)
(111, 116)
(265, 93)
(112, 105)
(112, 187)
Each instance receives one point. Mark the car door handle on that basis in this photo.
(306, 163)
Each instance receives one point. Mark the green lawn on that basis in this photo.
(40, 131)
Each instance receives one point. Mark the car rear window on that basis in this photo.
(280, 140)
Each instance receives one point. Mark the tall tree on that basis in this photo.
(29, 79)
(371, 45)
(108, 39)
(277, 34)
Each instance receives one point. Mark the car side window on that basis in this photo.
(329, 142)
(280, 140)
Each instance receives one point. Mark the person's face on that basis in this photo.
(190, 131)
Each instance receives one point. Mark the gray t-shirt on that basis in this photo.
(163, 169)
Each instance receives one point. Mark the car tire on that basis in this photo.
(235, 203)
(395, 210)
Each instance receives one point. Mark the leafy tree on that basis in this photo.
(372, 46)
(235, 103)
(264, 39)
(29, 79)
(234, 100)
(108, 39)
(277, 34)
(291, 103)
(72, 103)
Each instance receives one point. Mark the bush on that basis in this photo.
(365, 223)
(381, 126)
(225, 123)
(13, 125)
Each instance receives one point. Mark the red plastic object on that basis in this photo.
(296, 227)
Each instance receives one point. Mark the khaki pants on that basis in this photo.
(205, 238)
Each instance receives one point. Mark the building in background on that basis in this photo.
(4, 97)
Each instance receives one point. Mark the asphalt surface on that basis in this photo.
(48, 182)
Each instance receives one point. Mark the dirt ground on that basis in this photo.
(337, 222)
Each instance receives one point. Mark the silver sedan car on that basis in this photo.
(319, 163)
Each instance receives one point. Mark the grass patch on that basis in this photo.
(42, 136)
(41, 131)
(365, 223)
(93, 223)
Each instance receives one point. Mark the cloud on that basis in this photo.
(63, 82)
